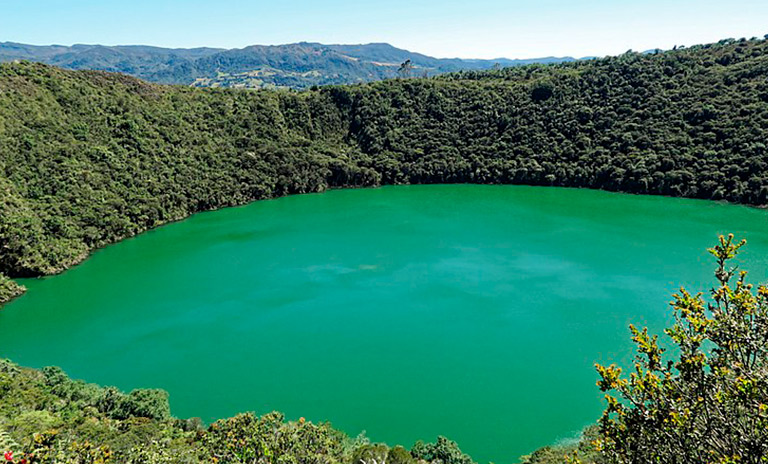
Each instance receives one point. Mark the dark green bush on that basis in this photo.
(443, 451)
(9, 289)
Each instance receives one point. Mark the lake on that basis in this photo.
(473, 312)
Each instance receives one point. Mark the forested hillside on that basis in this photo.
(87, 158)
(46, 417)
(299, 65)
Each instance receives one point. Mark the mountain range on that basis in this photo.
(299, 65)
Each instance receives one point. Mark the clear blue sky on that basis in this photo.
(443, 28)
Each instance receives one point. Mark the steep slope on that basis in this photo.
(87, 158)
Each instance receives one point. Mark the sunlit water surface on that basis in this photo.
(474, 312)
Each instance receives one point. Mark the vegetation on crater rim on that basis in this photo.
(45, 417)
(88, 158)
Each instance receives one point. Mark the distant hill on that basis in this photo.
(299, 65)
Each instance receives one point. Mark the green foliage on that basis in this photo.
(680, 123)
(152, 404)
(443, 451)
(710, 404)
(46, 417)
(399, 455)
(563, 453)
(9, 289)
(7, 443)
(246, 438)
(87, 158)
(372, 454)
(382, 454)
(542, 91)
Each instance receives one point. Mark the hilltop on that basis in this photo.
(299, 65)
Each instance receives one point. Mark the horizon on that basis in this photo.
(126, 45)
(488, 29)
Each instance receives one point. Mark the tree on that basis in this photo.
(405, 69)
(542, 91)
(711, 404)
(443, 451)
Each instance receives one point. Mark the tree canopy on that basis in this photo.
(87, 158)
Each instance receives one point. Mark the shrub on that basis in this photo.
(443, 451)
(709, 405)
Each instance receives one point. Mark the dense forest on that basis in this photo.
(298, 65)
(90, 157)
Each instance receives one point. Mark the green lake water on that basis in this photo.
(474, 312)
